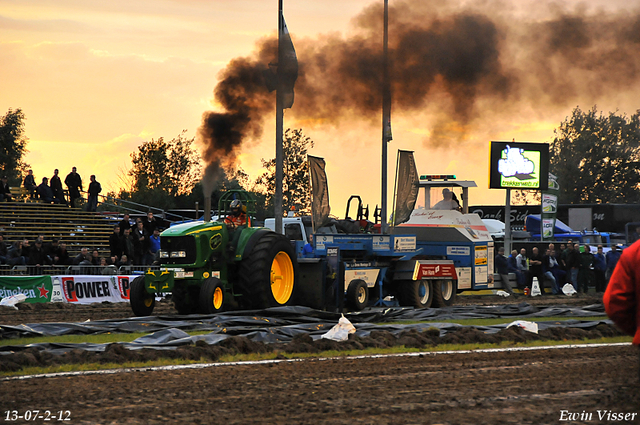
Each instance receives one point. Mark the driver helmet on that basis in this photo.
(235, 207)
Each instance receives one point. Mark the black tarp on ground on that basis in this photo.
(284, 323)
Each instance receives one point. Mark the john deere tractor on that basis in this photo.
(209, 266)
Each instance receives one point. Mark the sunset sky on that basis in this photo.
(95, 79)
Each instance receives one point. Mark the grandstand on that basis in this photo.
(75, 227)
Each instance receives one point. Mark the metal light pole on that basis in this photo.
(277, 200)
(386, 117)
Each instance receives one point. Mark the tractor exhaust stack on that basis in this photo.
(207, 208)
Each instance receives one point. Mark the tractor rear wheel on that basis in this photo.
(211, 296)
(268, 273)
(416, 293)
(444, 292)
(358, 294)
(141, 301)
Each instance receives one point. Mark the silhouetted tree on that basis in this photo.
(596, 157)
(13, 145)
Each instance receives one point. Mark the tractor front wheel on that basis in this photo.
(211, 296)
(141, 301)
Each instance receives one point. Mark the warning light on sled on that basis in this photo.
(430, 177)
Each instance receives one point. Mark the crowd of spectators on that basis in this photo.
(50, 191)
(571, 263)
(136, 243)
(131, 244)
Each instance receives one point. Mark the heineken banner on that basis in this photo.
(549, 208)
(38, 289)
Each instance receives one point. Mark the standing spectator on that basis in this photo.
(14, 255)
(56, 187)
(124, 223)
(611, 258)
(3, 250)
(572, 264)
(558, 256)
(140, 243)
(553, 272)
(622, 297)
(51, 249)
(94, 190)
(635, 235)
(535, 268)
(150, 223)
(502, 269)
(115, 243)
(154, 247)
(37, 257)
(599, 269)
(45, 193)
(74, 184)
(523, 265)
(26, 249)
(127, 246)
(29, 183)
(585, 273)
(62, 255)
(563, 257)
(512, 267)
(5, 191)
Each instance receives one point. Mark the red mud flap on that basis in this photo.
(434, 269)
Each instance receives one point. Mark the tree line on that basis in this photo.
(594, 155)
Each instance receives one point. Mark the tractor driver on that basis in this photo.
(238, 217)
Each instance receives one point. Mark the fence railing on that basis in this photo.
(20, 270)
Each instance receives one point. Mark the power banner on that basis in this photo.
(92, 289)
(38, 289)
(549, 208)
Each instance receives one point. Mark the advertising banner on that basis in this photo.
(38, 289)
(93, 289)
(549, 208)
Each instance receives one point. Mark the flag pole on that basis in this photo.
(386, 118)
(277, 202)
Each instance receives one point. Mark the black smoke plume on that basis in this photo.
(461, 62)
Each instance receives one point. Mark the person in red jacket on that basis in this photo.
(622, 297)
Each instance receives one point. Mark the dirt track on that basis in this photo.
(520, 388)
(530, 387)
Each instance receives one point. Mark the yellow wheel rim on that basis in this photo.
(217, 298)
(362, 294)
(148, 302)
(282, 277)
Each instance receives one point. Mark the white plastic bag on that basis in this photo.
(568, 289)
(12, 300)
(341, 331)
(503, 293)
(535, 287)
(527, 326)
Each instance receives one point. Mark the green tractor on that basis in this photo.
(210, 266)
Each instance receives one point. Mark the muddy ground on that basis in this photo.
(531, 387)
(535, 387)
